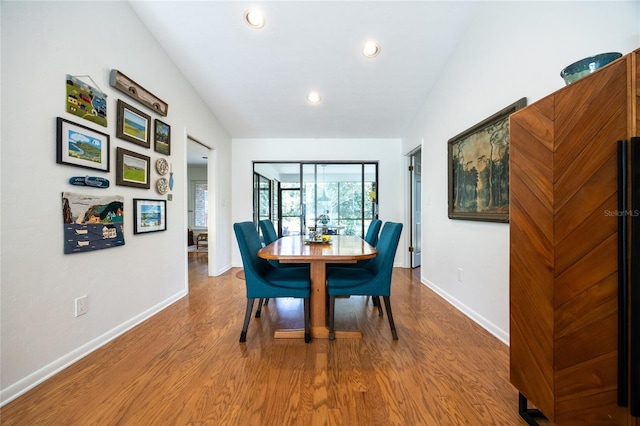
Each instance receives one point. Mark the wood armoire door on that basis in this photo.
(563, 248)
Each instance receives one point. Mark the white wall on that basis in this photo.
(387, 152)
(41, 43)
(511, 50)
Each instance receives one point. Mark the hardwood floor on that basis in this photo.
(185, 366)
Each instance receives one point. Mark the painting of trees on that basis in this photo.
(479, 169)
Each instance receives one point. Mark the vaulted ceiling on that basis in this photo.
(256, 81)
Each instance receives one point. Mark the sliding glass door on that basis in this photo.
(339, 197)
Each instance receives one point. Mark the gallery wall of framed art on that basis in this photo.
(87, 147)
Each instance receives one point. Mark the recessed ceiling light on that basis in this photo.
(314, 97)
(371, 49)
(254, 18)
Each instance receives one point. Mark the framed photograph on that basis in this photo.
(162, 138)
(478, 163)
(133, 125)
(81, 146)
(132, 169)
(149, 215)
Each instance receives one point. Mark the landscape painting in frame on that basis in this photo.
(132, 169)
(133, 125)
(478, 166)
(149, 215)
(81, 146)
(162, 138)
(92, 222)
(86, 101)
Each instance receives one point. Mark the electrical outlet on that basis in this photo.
(82, 305)
(460, 274)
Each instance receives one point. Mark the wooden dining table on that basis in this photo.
(340, 249)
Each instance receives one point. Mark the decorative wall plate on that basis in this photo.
(162, 186)
(162, 166)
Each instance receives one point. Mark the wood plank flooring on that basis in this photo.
(185, 366)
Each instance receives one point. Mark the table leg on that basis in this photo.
(318, 294)
(318, 320)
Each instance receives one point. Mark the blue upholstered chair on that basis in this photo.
(269, 233)
(372, 232)
(265, 281)
(372, 280)
(372, 238)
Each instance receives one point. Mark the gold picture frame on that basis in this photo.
(478, 169)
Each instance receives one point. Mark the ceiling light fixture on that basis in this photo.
(254, 18)
(314, 97)
(371, 49)
(324, 197)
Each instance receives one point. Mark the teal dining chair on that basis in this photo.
(269, 233)
(374, 279)
(372, 238)
(264, 281)
(372, 233)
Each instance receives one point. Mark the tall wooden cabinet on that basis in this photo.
(564, 245)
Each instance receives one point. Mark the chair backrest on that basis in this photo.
(249, 244)
(373, 231)
(269, 233)
(382, 264)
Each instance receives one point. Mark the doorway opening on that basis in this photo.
(415, 179)
(198, 200)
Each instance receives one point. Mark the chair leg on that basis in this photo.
(332, 308)
(376, 302)
(247, 317)
(307, 334)
(387, 305)
(259, 310)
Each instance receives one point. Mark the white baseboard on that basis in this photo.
(500, 334)
(20, 387)
(223, 270)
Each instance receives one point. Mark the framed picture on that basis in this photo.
(478, 163)
(86, 101)
(132, 169)
(133, 125)
(162, 138)
(92, 222)
(149, 215)
(81, 146)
